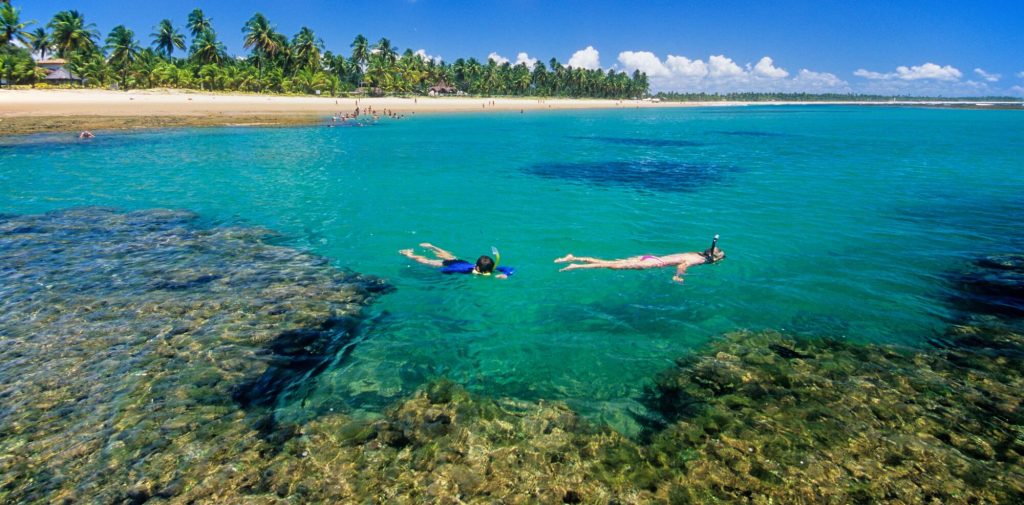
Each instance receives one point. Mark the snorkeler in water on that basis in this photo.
(449, 264)
(681, 261)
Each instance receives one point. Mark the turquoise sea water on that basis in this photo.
(837, 221)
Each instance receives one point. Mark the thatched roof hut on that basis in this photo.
(52, 63)
(62, 76)
(442, 89)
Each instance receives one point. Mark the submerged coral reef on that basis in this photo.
(129, 341)
(142, 358)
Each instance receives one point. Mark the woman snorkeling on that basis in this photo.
(681, 261)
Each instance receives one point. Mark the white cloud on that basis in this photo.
(987, 76)
(685, 67)
(525, 58)
(520, 58)
(422, 53)
(1020, 74)
(587, 58)
(499, 59)
(766, 68)
(818, 80)
(722, 74)
(867, 74)
(644, 61)
(928, 87)
(720, 66)
(926, 71)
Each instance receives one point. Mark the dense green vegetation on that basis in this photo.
(276, 63)
(812, 97)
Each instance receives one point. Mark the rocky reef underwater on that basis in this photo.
(142, 355)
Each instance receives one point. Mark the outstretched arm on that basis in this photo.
(680, 272)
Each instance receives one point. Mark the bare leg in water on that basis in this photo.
(441, 255)
(584, 259)
(633, 263)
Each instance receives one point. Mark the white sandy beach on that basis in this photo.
(53, 110)
(65, 102)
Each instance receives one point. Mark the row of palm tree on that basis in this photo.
(276, 63)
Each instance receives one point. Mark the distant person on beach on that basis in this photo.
(448, 263)
(681, 261)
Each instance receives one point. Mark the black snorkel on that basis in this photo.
(710, 256)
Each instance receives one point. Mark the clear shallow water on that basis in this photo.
(837, 221)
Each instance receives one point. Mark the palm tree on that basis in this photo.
(521, 79)
(473, 71)
(388, 53)
(70, 33)
(11, 26)
(309, 80)
(40, 42)
(306, 49)
(90, 66)
(361, 51)
(167, 37)
(262, 39)
(206, 49)
(145, 68)
(123, 50)
(210, 76)
(8, 64)
(332, 83)
(198, 23)
(28, 69)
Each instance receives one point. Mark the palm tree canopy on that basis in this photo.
(206, 49)
(167, 37)
(199, 23)
(71, 33)
(387, 52)
(261, 36)
(40, 42)
(360, 50)
(122, 46)
(307, 48)
(12, 27)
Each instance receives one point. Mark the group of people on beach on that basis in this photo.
(485, 265)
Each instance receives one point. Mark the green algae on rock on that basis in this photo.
(125, 337)
(825, 421)
(752, 418)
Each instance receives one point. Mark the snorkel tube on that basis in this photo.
(497, 256)
(711, 253)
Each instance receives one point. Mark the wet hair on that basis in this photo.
(714, 255)
(484, 264)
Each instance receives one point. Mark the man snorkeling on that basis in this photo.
(449, 264)
(681, 261)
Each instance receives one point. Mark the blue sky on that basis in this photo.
(913, 47)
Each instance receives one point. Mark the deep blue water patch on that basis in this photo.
(992, 284)
(642, 142)
(666, 176)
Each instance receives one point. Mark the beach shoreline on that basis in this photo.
(27, 111)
